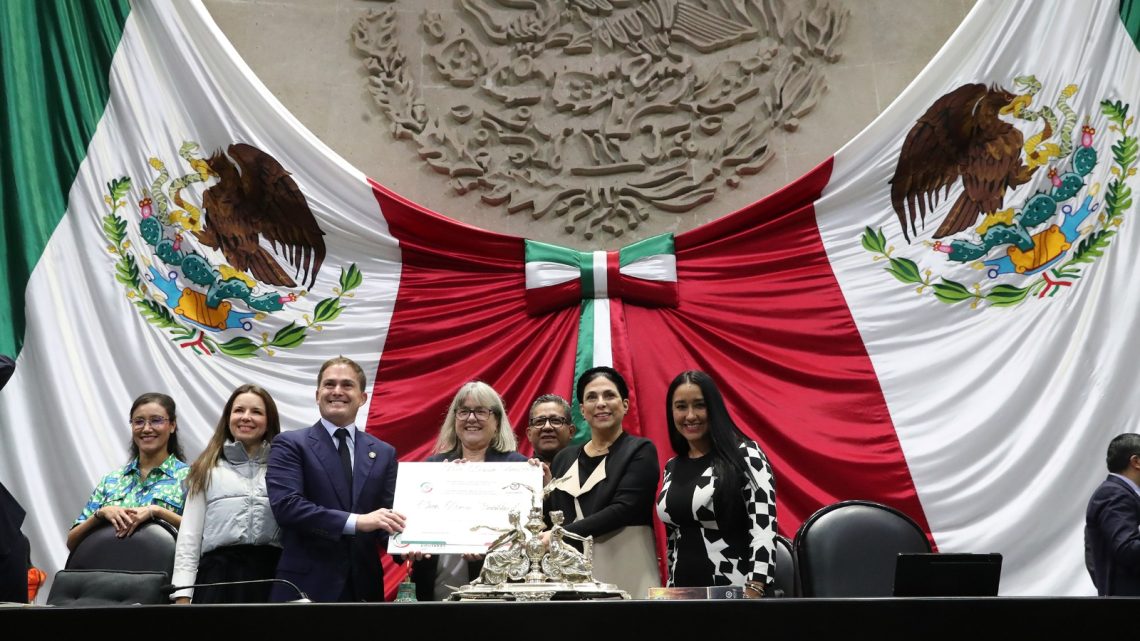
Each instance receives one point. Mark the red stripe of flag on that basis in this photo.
(762, 312)
(613, 275)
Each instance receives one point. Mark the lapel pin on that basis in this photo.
(372, 455)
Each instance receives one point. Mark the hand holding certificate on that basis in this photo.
(460, 509)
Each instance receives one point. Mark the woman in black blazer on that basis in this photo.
(606, 486)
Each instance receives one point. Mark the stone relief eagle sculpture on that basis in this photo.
(260, 201)
(593, 114)
(960, 136)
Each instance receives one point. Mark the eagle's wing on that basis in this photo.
(208, 235)
(232, 229)
(284, 216)
(932, 156)
(992, 165)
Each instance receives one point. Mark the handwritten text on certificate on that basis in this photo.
(461, 507)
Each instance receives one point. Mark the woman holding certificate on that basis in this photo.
(606, 486)
(476, 430)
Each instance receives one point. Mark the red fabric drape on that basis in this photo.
(460, 315)
(760, 311)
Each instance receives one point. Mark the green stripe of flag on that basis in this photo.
(1130, 14)
(654, 246)
(583, 360)
(540, 251)
(55, 57)
(586, 268)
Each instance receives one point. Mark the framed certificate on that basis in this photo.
(455, 508)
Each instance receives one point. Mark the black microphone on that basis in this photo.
(170, 588)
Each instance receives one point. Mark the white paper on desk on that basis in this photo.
(446, 503)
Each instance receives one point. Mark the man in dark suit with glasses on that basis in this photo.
(550, 428)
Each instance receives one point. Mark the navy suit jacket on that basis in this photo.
(1113, 536)
(311, 502)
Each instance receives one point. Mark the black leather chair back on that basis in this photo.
(849, 549)
(150, 548)
(107, 587)
(783, 580)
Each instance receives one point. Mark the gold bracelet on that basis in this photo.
(755, 586)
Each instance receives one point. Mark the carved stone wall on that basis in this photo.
(588, 123)
(594, 114)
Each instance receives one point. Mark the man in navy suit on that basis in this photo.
(331, 488)
(1112, 521)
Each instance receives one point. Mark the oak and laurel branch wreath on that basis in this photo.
(128, 274)
(1117, 200)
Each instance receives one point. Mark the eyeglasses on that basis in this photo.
(481, 413)
(555, 421)
(154, 421)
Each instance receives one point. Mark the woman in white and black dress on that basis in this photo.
(228, 530)
(718, 499)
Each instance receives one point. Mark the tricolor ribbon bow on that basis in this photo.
(644, 273)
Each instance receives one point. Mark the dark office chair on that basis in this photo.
(107, 587)
(150, 548)
(783, 581)
(849, 549)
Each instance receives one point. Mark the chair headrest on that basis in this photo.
(107, 587)
(150, 548)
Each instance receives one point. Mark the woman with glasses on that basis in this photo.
(606, 486)
(718, 500)
(228, 531)
(476, 430)
(150, 486)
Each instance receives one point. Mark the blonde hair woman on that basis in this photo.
(475, 430)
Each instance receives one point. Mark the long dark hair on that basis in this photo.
(199, 478)
(728, 463)
(167, 403)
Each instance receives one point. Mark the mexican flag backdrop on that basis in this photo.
(937, 318)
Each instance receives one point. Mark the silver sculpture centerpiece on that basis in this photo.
(520, 566)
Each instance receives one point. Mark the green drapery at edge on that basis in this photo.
(54, 58)
(1130, 15)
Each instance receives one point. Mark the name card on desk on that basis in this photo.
(710, 592)
(456, 508)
